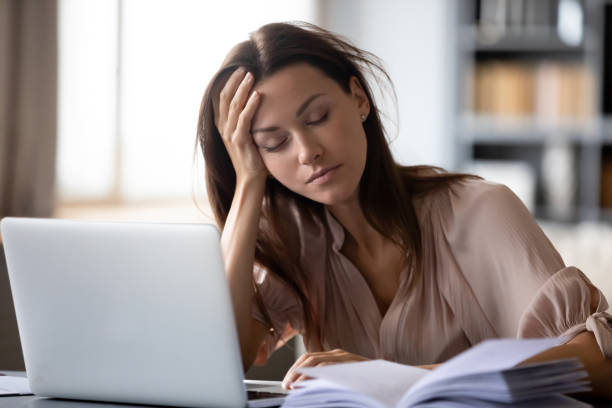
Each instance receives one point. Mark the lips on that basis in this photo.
(321, 173)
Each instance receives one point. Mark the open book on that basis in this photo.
(484, 375)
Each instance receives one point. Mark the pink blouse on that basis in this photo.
(488, 272)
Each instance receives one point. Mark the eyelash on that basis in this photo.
(321, 120)
(271, 149)
(315, 122)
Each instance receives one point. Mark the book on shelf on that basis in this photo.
(498, 18)
(606, 181)
(607, 60)
(548, 91)
(485, 375)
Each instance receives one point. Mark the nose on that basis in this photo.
(310, 149)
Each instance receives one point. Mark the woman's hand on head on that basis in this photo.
(318, 359)
(233, 120)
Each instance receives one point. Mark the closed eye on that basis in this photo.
(273, 148)
(320, 120)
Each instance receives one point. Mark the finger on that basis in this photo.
(299, 361)
(238, 101)
(227, 93)
(295, 377)
(296, 384)
(318, 360)
(291, 372)
(309, 361)
(246, 117)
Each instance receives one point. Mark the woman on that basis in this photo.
(323, 234)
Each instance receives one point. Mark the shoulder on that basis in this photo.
(489, 218)
(480, 215)
(473, 203)
(478, 192)
(463, 197)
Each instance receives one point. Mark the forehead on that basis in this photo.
(284, 91)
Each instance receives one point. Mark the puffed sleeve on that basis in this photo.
(517, 279)
(283, 309)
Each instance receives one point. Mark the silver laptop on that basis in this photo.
(127, 312)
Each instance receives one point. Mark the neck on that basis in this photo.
(360, 235)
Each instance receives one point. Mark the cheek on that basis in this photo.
(351, 139)
(281, 167)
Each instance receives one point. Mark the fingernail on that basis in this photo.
(248, 77)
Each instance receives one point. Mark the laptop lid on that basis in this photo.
(125, 312)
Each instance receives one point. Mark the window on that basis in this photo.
(131, 76)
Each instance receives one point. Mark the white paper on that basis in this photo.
(14, 385)
(379, 379)
(317, 393)
(490, 356)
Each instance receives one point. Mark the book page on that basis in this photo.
(378, 379)
(490, 356)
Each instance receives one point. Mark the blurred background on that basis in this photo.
(99, 102)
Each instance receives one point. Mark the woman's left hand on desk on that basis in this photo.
(318, 359)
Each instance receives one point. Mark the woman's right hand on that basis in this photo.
(233, 116)
(233, 120)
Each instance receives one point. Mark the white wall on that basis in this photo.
(411, 38)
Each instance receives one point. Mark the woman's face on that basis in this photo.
(307, 126)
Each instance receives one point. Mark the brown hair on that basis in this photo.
(385, 190)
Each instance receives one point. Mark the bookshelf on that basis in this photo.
(533, 85)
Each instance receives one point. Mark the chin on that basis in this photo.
(333, 196)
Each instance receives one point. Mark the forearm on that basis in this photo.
(584, 347)
(238, 246)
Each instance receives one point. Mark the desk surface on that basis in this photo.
(36, 402)
(31, 401)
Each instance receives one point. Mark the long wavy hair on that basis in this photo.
(386, 188)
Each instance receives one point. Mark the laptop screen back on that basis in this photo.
(124, 312)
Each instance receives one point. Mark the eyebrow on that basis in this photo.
(300, 110)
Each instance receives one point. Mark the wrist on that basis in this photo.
(255, 182)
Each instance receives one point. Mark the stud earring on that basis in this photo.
(363, 118)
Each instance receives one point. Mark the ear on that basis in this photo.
(360, 96)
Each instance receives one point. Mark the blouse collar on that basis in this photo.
(336, 229)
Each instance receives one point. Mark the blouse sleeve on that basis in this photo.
(283, 309)
(515, 274)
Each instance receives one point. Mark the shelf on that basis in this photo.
(506, 65)
(606, 130)
(537, 40)
(487, 129)
(606, 214)
(546, 213)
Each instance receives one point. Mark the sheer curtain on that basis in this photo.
(28, 94)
